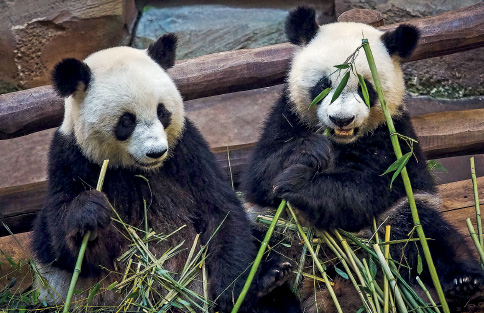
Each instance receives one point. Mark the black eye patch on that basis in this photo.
(164, 115)
(371, 93)
(322, 84)
(125, 127)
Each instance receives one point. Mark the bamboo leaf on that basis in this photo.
(112, 286)
(341, 273)
(320, 97)
(340, 87)
(373, 268)
(404, 160)
(394, 165)
(419, 264)
(342, 66)
(432, 165)
(364, 90)
(92, 293)
(360, 310)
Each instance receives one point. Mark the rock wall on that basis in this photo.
(36, 34)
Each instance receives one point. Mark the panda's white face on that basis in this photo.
(312, 71)
(131, 113)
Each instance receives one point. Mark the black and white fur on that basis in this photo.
(336, 181)
(121, 105)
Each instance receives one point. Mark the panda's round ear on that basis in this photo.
(68, 75)
(301, 25)
(163, 51)
(401, 41)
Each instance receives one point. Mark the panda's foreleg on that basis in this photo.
(336, 198)
(91, 211)
(461, 276)
(312, 150)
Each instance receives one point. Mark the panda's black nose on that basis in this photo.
(341, 122)
(156, 154)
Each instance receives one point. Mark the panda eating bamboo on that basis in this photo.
(334, 180)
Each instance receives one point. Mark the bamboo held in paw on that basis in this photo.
(476, 200)
(258, 258)
(405, 178)
(82, 250)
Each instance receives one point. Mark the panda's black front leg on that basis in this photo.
(91, 212)
(336, 198)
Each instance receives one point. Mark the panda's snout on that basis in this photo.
(342, 121)
(156, 154)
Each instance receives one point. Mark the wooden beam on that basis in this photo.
(39, 108)
(451, 133)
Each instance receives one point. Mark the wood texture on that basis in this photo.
(451, 133)
(365, 16)
(38, 108)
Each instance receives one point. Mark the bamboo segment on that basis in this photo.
(475, 239)
(82, 250)
(405, 178)
(476, 200)
(259, 256)
(315, 259)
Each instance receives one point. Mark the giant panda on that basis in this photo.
(121, 105)
(335, 180)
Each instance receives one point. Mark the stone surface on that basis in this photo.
(36, 34)
(218, 26)
(452, 76)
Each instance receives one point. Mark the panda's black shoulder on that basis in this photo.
(67, 163)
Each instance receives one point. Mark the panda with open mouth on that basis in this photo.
(327, 159)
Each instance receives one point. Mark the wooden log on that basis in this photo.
(365, 16)
(38, 108)
(451, 133)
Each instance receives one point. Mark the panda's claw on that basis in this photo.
(272, 275)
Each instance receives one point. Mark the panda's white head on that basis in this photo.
(121, 105)
(312, 71)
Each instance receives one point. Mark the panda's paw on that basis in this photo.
(314, 152)
(89, 211)
(271, 275)
(292, 181)
(463, 285)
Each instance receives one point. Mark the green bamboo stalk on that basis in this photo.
(385, 279)
(258, 258)
(476, 200)
(353, 260)
(475, 239)
(429, 296)
(330, 244)
(405, 178)
(372, 286)
(391, 278)
(82, 250)
(315, 259)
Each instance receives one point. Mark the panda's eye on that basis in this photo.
(321, 85)
(163, 115)
(371, 92)
(125, 127)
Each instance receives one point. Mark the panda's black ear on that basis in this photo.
(402, 41)
(163, 51)
(301, 25)
(68, 74)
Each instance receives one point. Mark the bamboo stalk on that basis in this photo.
(315, 259)
(385, 279)
(476, 200)
(326, 238)
(429, 296)
(258, 258)
(391, 278)
(475, 239)
(405, 178)
(372, 286)
(82, 250)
